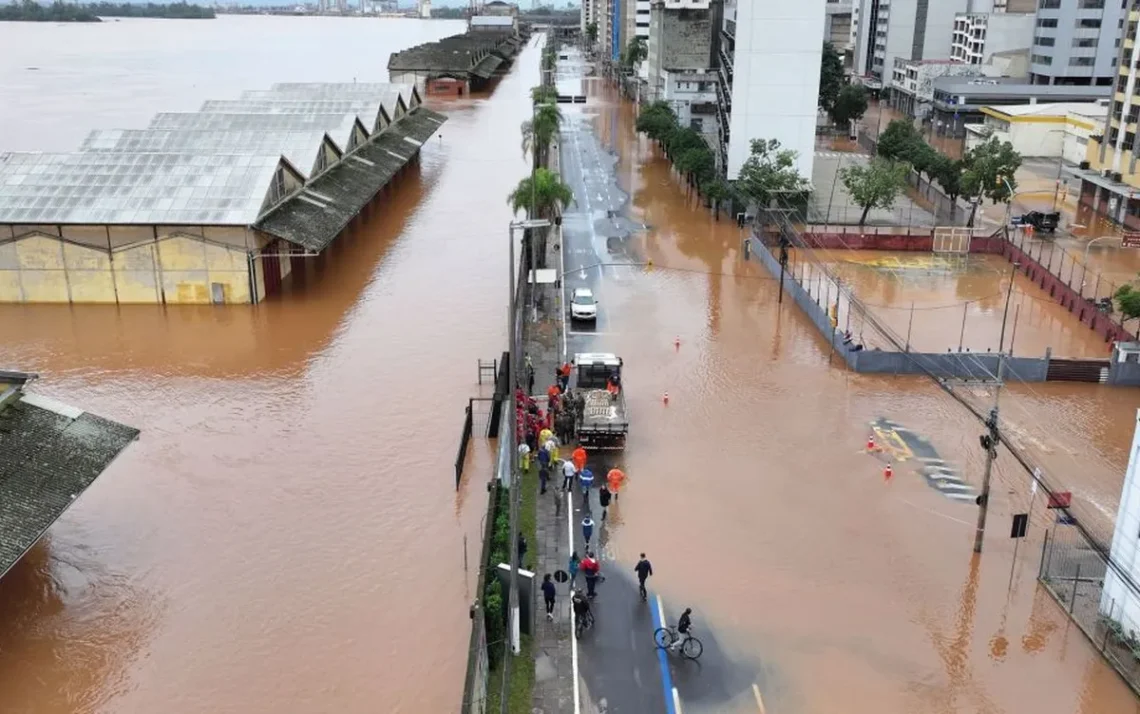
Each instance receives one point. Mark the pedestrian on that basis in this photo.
(604, 499)
(564, 376)
(524, 457)
(544, 435)
(531, 437)
(643, 569)
(591, 568)
(543, 459)
(575, 563)
(579, 456)
(615, 478)
(551, 446)
(529, 378)
(543, 477)
(568, 474)
(587, 527)
(522, 548)
(548, 594)
(586, 478)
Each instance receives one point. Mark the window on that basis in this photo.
(1082, 61)
(1084, 42)
(1049, 4)
(1088, 24)
(1047, 22)
(1044, 41)
(1041, 59)
(1091, 5)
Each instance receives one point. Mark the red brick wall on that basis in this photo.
(919, 242)
(445, 87)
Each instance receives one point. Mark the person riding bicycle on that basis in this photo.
(581, 607)
(684, 629)
(644, 569)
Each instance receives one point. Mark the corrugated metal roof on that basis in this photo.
(338, 125)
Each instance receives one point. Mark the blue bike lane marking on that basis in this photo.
(663, 656)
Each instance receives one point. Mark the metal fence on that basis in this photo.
(925, 194)
(1074, 571)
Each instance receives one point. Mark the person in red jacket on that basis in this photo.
(591, 569)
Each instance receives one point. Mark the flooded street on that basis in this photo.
(286, 535)
(829, 588)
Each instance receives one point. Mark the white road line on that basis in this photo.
(587, 332)
(759, 699)
(562, 295)
(573, 636)
(676, 701)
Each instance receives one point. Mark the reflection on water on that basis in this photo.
(285, 536)
(753, 496)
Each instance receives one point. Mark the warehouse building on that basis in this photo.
(214, 206)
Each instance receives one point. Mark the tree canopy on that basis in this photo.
(592, 32)
(850, 105)
(830, 77)
(635, 52)
(989, 171)
(898, 140)
(1128, 299)
(874, 185)
(538, 133)
(543, 94)
(657, 120)
(549, 193)
(770, 172)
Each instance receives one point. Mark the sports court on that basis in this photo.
(949, 299)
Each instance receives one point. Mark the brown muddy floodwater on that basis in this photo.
(285, 536)
(752, 496)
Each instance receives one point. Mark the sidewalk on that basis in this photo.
(553, 668)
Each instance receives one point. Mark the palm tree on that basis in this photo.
(538, 133)
(543, 94)
(543, 196)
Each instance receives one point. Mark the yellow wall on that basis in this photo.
(1092, 156)
(174, 269)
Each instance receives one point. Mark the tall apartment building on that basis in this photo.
(681, 64)
(639, 27)
(768, 78)
(1110, 178)
(909, 29)
(990, 26)
(837, 24)
(1077, 41)
(588, 15)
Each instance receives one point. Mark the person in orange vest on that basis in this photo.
(614, 479)
(564, 376)
(579, 458)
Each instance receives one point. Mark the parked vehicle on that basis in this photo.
(604, 423)
(1045, 222)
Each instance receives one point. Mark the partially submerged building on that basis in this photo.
(213, 206)
(50, 453)
(460, 64)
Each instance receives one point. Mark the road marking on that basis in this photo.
(676, 701)
(573, 635)
(662, 657)
(759, 699)
(589, 332)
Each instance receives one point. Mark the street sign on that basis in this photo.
(1130, 239)
(1061, 499)
(1020, 522)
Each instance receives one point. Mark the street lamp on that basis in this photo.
(515, 481)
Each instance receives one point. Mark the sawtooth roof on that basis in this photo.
(458, 54)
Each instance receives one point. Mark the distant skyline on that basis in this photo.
(404, 4)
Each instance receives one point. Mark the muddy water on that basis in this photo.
(286, 535)
(750, 493)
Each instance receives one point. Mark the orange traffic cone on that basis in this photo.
(871, 442)
(887, 473)
(665, 398)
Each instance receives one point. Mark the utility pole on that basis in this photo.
(989, 443)
(516, 477)
(783, 262)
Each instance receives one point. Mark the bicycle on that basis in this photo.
(666, 636)
(581, 624)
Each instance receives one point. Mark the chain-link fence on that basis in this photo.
(1098, 597)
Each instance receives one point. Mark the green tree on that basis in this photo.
(850, 105)
(635, 52)
(538, 133)
(547, 191)
(657, 121)
(988, 172)
(697, 163)
(1128, 299)
(948, 173)
(549, 59)
(898, 140)
(769, 172)
(830, 77)
(592, 32)
(544, 94)
(875, 185)
(922, 158)
(681, 139)
(717, 191)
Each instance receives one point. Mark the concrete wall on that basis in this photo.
(775, 86)
(686, 39)
(124, 264)
(944, 365)
(916, 241)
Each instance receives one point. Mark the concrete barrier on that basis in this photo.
(948, 365)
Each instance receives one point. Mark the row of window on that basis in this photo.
(1077, 41)
(1084, 4)
(1073, 61)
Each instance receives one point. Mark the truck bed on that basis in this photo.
(603, 412)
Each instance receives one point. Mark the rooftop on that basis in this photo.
(49, 454)
(370, 111)
(455, 54)
(1051, 109)
(1014, 87)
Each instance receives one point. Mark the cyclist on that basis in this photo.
(684, 629)
(581, 609)
(644, 569)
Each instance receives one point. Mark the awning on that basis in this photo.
(487, 66)
(316, 215)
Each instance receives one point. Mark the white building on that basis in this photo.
(911, 29)
(680, 68)
(912, 83)
(1118, 600)
(768, 78)
(837, 27)
(1058, 130)
(1077, 42)
(978, 35)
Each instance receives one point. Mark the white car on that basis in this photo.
(583, 306)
